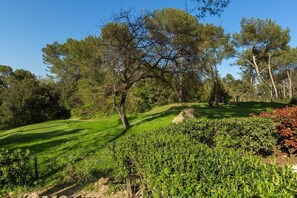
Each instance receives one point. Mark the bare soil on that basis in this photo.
(99, 189)
(281, 159)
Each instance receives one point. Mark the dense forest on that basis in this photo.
(143, 60)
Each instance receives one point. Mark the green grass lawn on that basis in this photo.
(76, 149)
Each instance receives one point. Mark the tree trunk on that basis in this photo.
(271, 94)
(271, 76)
(255, 65)
(257, 69)
(290, 85)
(284, 90)
(180, 87)
(121, 109)
(124, 119)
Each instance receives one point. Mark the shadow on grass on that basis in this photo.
(53, 166)
(242, 109)
(39, 148)
(39, 128)
(172, 111)
(17, 138)
(110, 138)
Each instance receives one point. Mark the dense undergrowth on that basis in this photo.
(188, 160)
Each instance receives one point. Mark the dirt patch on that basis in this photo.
(281, 159)
(99, 189)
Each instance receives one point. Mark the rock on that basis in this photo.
(294, 168)
(186, 114)
(63, 196)
(45, 197)
(55, 196)
(33, 195)
(25, 195)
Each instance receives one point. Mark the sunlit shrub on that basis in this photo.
(16, 168)
(166, 164)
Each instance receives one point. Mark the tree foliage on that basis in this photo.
(259, 41)
(26, 100)
(212, 7)
(169, 46)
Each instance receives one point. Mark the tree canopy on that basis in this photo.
(259, 41)
(25, 100)
(167, 44)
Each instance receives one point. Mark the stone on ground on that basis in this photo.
(185, 114)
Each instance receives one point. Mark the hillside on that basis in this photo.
(77, 150)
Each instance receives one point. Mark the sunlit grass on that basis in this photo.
(63, 144)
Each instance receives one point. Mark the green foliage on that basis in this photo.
(5, 71)
(260, 42)
(165, 164)
(239, 90)
(256, 135)
(16, 169)
(76, 66)
(78, 146)
(27, 101)
(286, 126)
(168, 44)
(261, 35)
(89, 100)
(214, 8)
(218, 94)
(248, 134)
(64, 144)
(143, 96)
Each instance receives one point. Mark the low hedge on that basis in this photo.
(170, 164)
(255, 135)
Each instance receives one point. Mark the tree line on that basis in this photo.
(139, 61)
(26, 100)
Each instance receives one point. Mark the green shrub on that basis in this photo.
(16, 168)
(249, 134)
(176, 165)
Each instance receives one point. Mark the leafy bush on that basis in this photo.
(286, 125)
(16, 168)
(176, 165)
(249, 134)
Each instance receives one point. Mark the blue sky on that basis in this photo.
(26, 26)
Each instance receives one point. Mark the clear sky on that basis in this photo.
(26, 26)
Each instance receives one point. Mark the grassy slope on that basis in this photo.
(62, 145)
